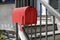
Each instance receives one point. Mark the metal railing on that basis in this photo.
(53, 12)
(33, 34)
(50, 9)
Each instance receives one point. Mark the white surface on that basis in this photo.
(5, 16)
(6, 13)
(21, 34)
(43, 8)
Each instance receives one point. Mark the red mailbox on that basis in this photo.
(24, 15)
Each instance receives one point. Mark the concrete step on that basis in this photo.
(57, 37)
(37, 28)
(44, 34)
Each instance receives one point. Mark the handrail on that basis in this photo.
(50, 9)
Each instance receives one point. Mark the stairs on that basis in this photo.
(50, 28)
(43, 28)
(57, 37)
(43, 25)
(43, 34)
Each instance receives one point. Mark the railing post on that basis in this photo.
(46, 25)
(53, 27)
(31, 32)
(23, 3)
(27, 30)
(40, 18)
(27, 2)
(16, 4)
(16, 31)
(35, 32)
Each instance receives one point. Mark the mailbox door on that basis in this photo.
(31, 15)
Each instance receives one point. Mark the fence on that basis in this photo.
(31, 35)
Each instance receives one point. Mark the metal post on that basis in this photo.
(17, 5)
(46, 25)
(27, 30)
(35, 32)
(27, 2)
(31, 31)
(30, 2)
(53, 27)
(23, 3)
(16, 31)
(40, 18)
(35, 3)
